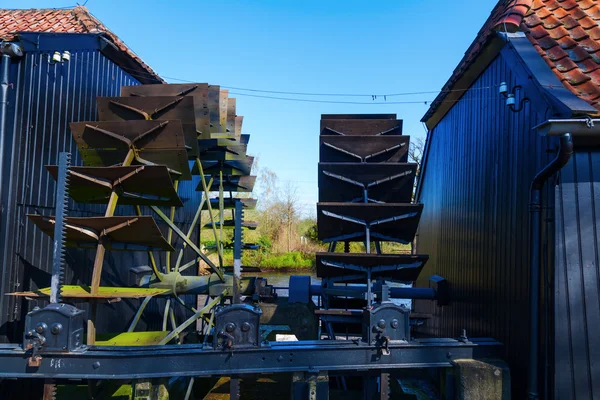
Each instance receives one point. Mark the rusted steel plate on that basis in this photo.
(199, 91)
(359, 116)
(233, 167)
(84, 292)
(239, 119)
(223, 106)
(361, 127)
(367, 149)
(249, 204)
(214, 110)
(121, 233)
(398, 267)
(157, 108)
(230, 224)
(162, 144)
(388, 222)
(385, 182)
(231, 113)
(224, 140)
(94, 185)
(240, 184)
(222, 153)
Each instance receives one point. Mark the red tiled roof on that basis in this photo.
(566, 33)
(75, 20)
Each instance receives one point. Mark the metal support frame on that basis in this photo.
(198, 360)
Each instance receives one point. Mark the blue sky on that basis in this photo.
(361, 47)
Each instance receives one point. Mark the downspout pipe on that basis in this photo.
(4, 72)
(564, 155)
(8, 51)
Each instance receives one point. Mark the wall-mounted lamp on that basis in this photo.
(57, 57)
(511, 98)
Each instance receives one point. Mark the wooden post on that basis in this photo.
(99, 259)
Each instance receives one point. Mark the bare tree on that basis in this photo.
(415, 155)
(291, 214)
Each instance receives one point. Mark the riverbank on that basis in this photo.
(286, 262)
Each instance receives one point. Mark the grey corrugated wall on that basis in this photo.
(44, 98)
(577, 279)
(481, 160)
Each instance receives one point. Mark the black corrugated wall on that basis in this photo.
(44, 98)
(475, 188)
(577, 279)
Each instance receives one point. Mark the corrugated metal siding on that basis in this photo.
(44, 99)
(577, 279)
(482, 158)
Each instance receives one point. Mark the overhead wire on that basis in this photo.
(141, 74)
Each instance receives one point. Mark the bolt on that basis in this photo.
(381, 323)
(96, 365)
(245, 327)
(56, 328)
(280, 358)
(449, 355)
(395, 323)
(41, 328)
(230, 327)
(497, 372)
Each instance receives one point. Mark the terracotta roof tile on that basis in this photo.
(578, 13)
(585, 4)
(543, 13)
(578, 54)
(558, 32)
(568, 5)
(587, 23)
(594, 32)
(537, 32)
(75, 20)
(566, 42)
(594, 12)
(551, 22)
(588, 65)
(547, 43)
(551, 5)
(590, 45)
(533, 20)
(556, 53)
(578, 33)
(566, 65)
(569, 22)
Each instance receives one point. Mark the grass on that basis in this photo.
(293, 260)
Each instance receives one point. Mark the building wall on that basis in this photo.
(577, 279)
(475, 188)
(44, 99)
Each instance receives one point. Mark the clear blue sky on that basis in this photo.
(364, 47)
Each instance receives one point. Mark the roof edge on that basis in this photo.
(453, 91)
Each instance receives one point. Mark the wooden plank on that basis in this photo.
(84, 292)
(395, 182)
(402, 230)
(139, 233)
(361, 127)
(115, 109)
(148, 338)
(94, 185)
